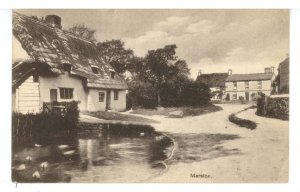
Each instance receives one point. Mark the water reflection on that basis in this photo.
(95, 157)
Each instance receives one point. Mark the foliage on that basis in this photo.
(114, 53)
(141, 94)
(44, 125)
(196, 94)
(83, 31)
(277, 107)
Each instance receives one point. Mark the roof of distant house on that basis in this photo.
(250, 77)
(56, 47)
(213, 79)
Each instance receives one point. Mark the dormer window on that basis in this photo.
(112, 74)
(67, 67)
(95, 70)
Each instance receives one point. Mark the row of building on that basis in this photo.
(246, 87)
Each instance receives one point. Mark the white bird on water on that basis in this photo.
(44, 165)
(28, 158)
(63, 146)
(36, 175)
(37, 145)
(69, 152)
(21, 167)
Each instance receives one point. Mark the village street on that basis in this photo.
(216, 150)
(259, 155)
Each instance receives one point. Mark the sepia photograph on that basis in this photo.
(150, 96)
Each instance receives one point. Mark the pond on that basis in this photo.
(107, 155)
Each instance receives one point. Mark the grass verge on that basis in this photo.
(186, 111)
(117, 116)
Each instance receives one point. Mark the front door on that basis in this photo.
(53, 95)
(108, 100)
(247, 96)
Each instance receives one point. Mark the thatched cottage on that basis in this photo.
(60, 66)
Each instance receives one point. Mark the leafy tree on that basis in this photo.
(157, 67)
(84, 32)
(114, 53)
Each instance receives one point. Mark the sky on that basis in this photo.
(212, 41)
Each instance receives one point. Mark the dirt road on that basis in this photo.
(209, 148)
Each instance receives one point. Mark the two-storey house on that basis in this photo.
(248, 86)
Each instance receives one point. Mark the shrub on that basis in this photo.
(44, 125)
(242, 122)
(278, 108)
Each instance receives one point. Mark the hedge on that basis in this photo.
(274, 107)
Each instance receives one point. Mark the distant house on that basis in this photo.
(216, 83)
(284, 73)
(61, 67)
(248, 86)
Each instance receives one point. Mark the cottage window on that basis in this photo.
(116, 95)
(95, 70)
(259, 84)
(112, 74)
(66, 93)
(101, 96)
(234, 85)
(246, 84)
(234, 96)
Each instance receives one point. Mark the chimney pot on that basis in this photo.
(53, 20)
(267, 70)
(199, 72)
(229, 71)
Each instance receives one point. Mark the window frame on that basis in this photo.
(95, 70)
(259, 84)
(102, 97)
(66, 93)
(116, 95)
(234, 85)
(234, 96)
(246, 84)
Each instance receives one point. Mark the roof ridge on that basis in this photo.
(53, 28)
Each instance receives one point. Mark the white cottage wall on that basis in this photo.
(120, 104)
(63, 81)
(27, 97)
(93, 103)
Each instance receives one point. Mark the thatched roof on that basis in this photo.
(56, 47)
(213, 79)
(250, 77)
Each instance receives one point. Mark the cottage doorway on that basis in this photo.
(53, 95)
(247, 96)
(108, 100)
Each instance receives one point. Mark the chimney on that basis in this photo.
(229, 71)
(267, 70)
(53, 20)
(272, 69)
(199, 72)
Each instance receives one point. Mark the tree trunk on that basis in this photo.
(158, 99)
